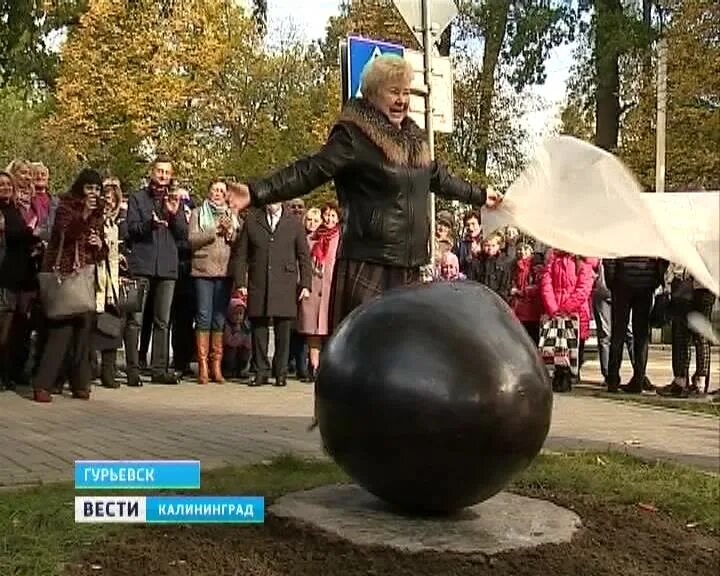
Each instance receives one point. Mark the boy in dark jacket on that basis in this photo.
(492, 268)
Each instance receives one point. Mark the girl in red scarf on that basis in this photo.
(314, 311)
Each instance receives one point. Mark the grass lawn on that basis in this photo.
(698, 406)
(38, 535)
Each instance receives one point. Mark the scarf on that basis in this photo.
(28, 214)
(157, 191)
(210, 213)
(522, 273)
(322, 237)
(41, 204)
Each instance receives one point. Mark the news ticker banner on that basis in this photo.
(169, 509)
(137, 475)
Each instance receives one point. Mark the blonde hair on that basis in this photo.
(313, 212)
(384, 70)
(39, 167)
(18, 164)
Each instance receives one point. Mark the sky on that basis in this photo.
(310, 21)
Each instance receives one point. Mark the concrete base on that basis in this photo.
(504, 522)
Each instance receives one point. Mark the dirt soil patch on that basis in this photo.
(615, 540)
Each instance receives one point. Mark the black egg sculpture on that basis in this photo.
(432, 397)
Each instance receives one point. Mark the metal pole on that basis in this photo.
(427, 48)
(661, 116)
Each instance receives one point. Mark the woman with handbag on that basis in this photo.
(110, 320)
(67, 287)
(213, 228)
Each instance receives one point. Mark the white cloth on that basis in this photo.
(580, 198)
(273, 219)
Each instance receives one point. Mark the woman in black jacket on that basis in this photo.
(380, 162)
(16, 245)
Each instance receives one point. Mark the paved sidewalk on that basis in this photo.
(234, 424)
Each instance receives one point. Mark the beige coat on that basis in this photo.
(104, 292)
(210, 252)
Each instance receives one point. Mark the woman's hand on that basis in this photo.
(224, 225)
(95, 240)
(493, 198)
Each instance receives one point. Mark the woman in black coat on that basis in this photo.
(16, 262)
(380, 162)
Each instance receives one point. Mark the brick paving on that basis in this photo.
(234, 424)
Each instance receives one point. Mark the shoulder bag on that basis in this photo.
(110, 321)
(70, 295)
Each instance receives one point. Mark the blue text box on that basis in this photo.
(137, 474)
(360, 51)
(204, 509)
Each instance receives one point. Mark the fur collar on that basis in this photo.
(407, 146)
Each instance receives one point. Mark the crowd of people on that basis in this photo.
(633, 294)
(94, 270)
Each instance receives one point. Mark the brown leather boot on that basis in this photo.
(202, 341)
(216, 355)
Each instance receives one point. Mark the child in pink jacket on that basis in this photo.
(565, 288)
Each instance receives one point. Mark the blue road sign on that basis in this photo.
(360, 51)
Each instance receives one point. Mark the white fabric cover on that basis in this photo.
(580, 198)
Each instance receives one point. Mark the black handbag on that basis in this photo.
(110, 321)
(660, 313)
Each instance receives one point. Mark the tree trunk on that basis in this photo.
(497, 15)
(647, 56)
(607, 96)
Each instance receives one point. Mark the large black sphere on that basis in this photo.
(433, 396)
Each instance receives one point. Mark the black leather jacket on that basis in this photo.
(635, 272)
(383, 176)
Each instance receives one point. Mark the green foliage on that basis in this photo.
(26, 28)
(21, 136)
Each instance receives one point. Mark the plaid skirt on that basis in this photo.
(355, 283)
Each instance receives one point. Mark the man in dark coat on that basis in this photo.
(156, 224)
(632, 282)
(270, 250)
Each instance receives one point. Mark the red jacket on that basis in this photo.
(526, 302)
(566, 286)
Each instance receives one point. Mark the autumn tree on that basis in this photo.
(693, 102)
(135, 79)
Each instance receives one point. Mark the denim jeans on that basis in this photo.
(162, 291)
(602, 311)
(213, 297)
